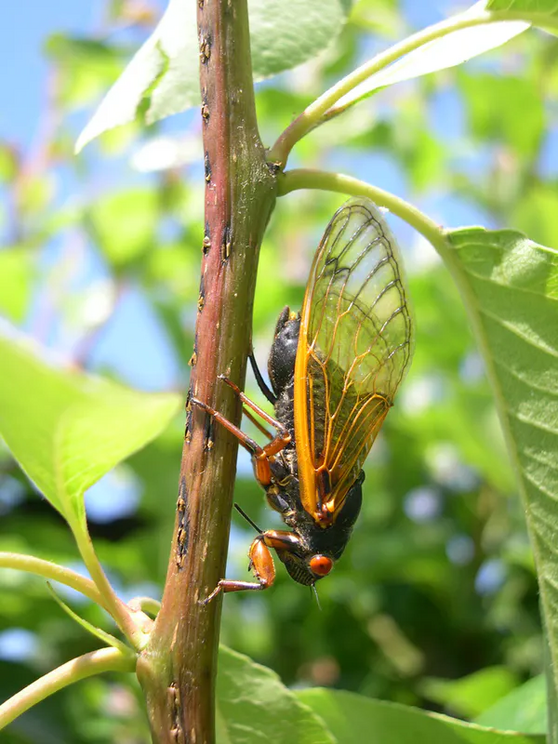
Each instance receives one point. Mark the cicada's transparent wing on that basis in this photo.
(355, 346)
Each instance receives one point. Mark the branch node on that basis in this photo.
(205, 49)
(183, 529)
(205, 111)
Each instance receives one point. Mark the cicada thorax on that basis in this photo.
(281, 365)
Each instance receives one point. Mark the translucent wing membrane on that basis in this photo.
(355, 345)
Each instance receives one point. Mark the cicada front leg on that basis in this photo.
(261, 563)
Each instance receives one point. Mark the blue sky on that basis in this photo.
(22, 36)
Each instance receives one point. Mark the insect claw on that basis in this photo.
(230, 383)
(198, 402)
(218, 589)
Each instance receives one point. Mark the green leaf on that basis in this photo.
(517, 120)
(470, 695)
(447, 51)
(9, 162)
(510, 288)
(67, 429)
(16, 273)
(37, 195)
(348, 715)
(163, 77)
(549, 7)
(536, 213)
(124, 224)
(254, 706)
(524, 709)
(85, 68)
(286, 33)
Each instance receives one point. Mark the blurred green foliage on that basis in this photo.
(438, 580)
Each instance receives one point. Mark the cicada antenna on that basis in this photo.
(247, 518)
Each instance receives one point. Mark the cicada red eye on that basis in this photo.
(321, 565)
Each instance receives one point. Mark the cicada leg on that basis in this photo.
(283, 437)
(257, 423)
(261, 563)
(261, 455)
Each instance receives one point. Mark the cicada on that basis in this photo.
(334, 368)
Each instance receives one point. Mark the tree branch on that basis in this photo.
(177, 669)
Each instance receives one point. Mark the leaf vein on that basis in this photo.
(524, 420)
(516, 332)
(541, 388)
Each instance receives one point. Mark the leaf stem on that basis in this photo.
(313, 115)
(134, 625)
(99, 633)
(54, 572)
(88, 665)
(307, 178)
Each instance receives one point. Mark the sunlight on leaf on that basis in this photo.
(543, 13)
(124, 224)
(16, 274)
(549, 7)
(67, 429)
(447, 51)
(470, 695)
(524, 709)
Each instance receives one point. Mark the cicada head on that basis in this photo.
(306, 567)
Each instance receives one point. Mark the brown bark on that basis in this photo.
(177, 669)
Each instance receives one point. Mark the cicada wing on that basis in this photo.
(355, 345)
